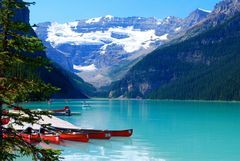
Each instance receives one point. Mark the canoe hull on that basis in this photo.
(121, 133)
(81, 137)
(30, 138)
(100, 134)
(114, 133)
(50, 138)
(5, 120)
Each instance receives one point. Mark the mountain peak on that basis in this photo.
(196, 16)
(109, 16)
(93, 20)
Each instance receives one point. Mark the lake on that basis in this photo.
(163, 130)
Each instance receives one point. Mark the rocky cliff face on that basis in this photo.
(102, 50)
(227, 7)
(223, 11)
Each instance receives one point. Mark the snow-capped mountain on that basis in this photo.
(101, 50)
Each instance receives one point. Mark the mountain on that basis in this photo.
(222, 12)
(101, 50)
(71, 87)
(204, 66)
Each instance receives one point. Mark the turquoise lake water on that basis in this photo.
(163, 130)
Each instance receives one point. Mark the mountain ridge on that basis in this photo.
(95, 48)
(167, 68)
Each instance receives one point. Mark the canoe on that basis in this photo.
(74, 136)
(121, 133)
(65, 114)
(55, 111)
(116, 133)
(59, 114)
(5, 120)
(97, 134)
(30, 138)
(62, 112)
(5, 112)
(91, 134)
(51, 138)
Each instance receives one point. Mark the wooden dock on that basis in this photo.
(54, 121)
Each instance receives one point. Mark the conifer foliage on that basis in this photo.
(19, 81)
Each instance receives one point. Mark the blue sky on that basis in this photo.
(70, 10)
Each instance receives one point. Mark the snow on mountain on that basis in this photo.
(85, 68)
(98, 19)
(204, 10)
(62, 33)
(164, 37)
(93, 20)
(109, 16)
(101, 50)
(136, 39)
(177, 29)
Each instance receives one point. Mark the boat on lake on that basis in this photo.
(74, 136)
(49, 136)
(98, 134)
(91, 134)
(66, 111)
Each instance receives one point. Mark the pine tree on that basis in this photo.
(19, 81)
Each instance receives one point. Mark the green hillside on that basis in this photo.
(204, 67)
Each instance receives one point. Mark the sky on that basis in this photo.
(70, 10)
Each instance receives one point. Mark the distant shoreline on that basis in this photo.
(134, 99)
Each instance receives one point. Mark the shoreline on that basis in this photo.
(134, 99)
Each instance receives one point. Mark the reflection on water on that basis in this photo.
(163, 130)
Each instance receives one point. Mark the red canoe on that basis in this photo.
(75, 136)
(30, 138)
(92, 134)
(51, 138)
(100, 134)
(62, 110)
(5, 120)
(97, 134)
(29, 135)
(119, 133)
(5, 112)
